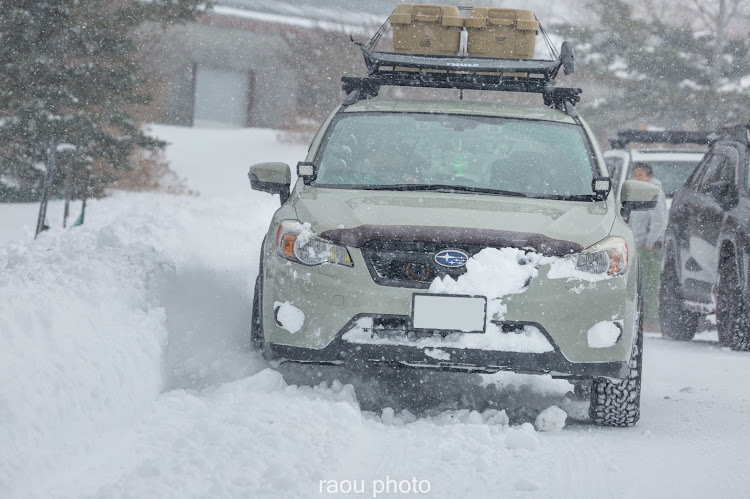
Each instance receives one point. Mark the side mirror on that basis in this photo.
(637, 195)
(273, 178)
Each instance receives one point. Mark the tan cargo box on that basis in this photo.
(426, 29)
(502, 33)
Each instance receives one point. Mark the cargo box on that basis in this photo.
(426, 29)
(502, 33)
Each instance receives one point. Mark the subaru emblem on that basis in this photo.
(451, 258)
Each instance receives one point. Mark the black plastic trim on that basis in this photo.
(462, 73)
(357, 355)
(270, 187)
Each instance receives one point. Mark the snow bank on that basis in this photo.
(81, 338)
(522, 437)
(98, 320)
(153, 292)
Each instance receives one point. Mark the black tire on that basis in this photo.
(257, 340)
(676, 322)
(731, 309)
(618, 402)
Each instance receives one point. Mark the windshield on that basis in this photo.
(484, 154)
(672, 174)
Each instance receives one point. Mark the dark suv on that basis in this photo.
(707, 246)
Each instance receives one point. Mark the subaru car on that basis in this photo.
(706, 255)
(455, 235)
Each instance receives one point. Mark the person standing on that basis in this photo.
(648, 229)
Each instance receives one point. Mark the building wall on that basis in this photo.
(263, 52)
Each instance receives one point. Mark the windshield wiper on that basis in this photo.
(459, 188)
(564, 197)
(442, 188)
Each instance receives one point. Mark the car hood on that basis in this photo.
(351, 216)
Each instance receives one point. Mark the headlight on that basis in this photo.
(296, 242)
(610, 255)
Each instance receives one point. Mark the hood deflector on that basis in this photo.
(358, 237)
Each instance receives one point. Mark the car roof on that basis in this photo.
(466, 107)
(666, 155)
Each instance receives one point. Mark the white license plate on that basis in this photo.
(464, 314)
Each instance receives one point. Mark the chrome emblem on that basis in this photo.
(451, 258)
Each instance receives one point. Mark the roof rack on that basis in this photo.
(671, 151)
(464, 73)
(625, 137)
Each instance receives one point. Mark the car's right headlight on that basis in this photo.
(295, 241)
(610, 256)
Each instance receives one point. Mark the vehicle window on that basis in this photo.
(727, 173)
(673, 174)
(525, 157)
(711, 171)
(692, 180)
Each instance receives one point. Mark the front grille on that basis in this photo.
(411, 264)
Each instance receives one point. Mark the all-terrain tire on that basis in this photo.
(676, 322)
(618, 402)
(731, 310)
(257, 340)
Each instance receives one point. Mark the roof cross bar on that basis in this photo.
(461, 73)
(625, 137)
(369, 86)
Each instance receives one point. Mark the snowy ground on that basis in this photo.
(125, 372)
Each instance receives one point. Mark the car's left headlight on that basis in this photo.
(295, 241)
(610, 256)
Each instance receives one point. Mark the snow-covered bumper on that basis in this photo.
(357, 355)
(554, 325)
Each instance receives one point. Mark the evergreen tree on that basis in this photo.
(68, 86)
(657, 72)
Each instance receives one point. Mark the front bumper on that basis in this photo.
(357, 355)
(334, 297)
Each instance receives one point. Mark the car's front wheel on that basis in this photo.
(618, 402)
(731, 309)
(256, 323)
(676, 322)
